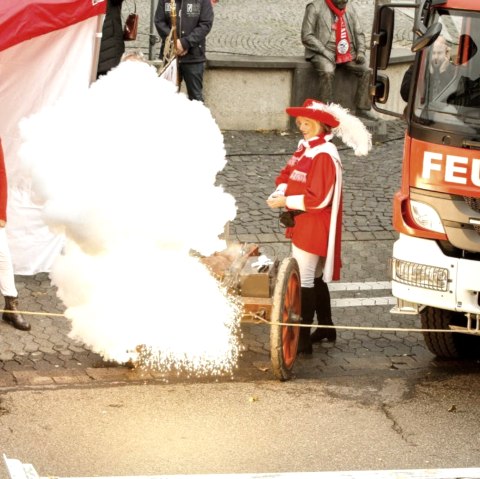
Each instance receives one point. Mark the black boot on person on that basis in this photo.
(13, 316)
(323, 309)
(308, 312)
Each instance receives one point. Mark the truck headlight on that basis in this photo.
(419, 275)
(426, 217)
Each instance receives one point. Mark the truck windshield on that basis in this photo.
(448, 82)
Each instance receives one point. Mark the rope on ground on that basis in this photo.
(32, 313)
(261, 320)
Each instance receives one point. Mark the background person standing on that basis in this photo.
(112, 45)
(7, 279)
(194, 22)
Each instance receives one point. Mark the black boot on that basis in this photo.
(308, 312)
(323, 309)
(13, 317)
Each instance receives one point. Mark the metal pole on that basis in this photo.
(96, 51)
(152, 38)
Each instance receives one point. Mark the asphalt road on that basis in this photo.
(350, 423)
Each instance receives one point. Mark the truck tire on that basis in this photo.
(448, 345)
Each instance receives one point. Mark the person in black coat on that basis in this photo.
(112, 45)
(194, 22)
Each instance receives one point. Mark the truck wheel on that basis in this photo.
(448, 345)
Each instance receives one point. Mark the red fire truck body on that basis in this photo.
(435, 266)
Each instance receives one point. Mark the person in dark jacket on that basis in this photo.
(112, 45)
(194, 22)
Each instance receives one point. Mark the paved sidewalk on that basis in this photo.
(266, 27)
(46, 355)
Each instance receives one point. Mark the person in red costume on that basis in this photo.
(7, 279)
(310, 186)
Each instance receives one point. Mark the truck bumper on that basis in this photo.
(422, 274)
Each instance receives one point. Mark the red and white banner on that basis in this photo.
(22, 20)
(47, 50)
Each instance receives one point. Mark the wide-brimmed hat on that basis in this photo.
(315, 110)
(345, 126)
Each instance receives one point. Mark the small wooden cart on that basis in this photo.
(268, 292)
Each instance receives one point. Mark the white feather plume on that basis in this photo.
(351, 130)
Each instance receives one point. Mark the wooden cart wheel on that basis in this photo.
(286, 309)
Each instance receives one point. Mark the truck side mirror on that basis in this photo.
(382, 37)
(380, 90)
(427, 38)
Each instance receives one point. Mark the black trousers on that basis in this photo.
(192, 75)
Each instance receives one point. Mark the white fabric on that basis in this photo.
(309, 264)
(170, 72)
(296, 202)
(33, 75)
(331, 149)
(7, 280)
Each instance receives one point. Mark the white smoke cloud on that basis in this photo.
(127, 172)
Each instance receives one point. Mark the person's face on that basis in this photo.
(308, 127)
(340, 4)
(439, 54)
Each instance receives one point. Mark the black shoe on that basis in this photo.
(306, 349)
(330, 334)
(304, 343)
(13, 317)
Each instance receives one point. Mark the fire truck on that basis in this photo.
(435, 265)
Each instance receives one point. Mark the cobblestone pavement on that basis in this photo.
(46, 355)
(265, 28)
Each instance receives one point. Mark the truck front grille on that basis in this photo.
(473, 203)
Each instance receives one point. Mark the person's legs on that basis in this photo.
(7, 279)
(323, 309)
(362, 97)
(192, 74)
(326, 73)
(307, 264)
(7, 286)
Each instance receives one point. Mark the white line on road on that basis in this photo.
(351, 302)
(18, 470)
(365, 286)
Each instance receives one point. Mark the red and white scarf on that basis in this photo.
(343, 45)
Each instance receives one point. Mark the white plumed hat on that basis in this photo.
(347, 127)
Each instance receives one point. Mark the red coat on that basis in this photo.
(3, 186)
(310, 185)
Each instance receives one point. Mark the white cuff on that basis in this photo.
(280, 191)
(296, 202)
